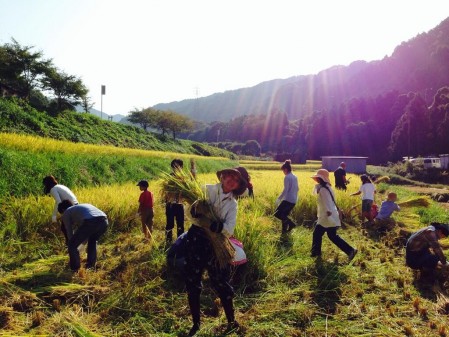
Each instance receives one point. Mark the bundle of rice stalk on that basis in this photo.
(382, 179)
(415, 202)
(182, 185)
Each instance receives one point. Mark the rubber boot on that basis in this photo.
(194, 304)
(228, 308)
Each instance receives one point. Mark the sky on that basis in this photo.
(158, 51)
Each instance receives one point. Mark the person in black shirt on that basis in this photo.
(340, 177)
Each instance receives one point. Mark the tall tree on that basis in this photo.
(86, 103)
(146, 118)
(67, 90)
(410, 137)
(175, 122)
(21, 68)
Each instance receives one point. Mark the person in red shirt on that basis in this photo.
(145, 210)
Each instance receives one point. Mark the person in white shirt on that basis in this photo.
(367, 190)
(199, 254)
(59, 193)
(328, 217)
(288, 198)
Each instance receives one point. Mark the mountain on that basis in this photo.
(420, 65)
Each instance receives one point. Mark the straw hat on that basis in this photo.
(323, 174)
(242, 175)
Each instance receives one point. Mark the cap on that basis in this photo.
(143, 183)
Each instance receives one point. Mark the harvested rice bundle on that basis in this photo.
(183, 183)
(415, 202)
(382, 179)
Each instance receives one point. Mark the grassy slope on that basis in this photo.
(18, 117)
(282, 292)
(25, 160)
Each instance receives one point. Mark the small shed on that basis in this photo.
(353, 164)
(444, 159)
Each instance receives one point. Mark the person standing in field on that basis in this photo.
(328, 217)
(340, 177)
(367, 190)
(418, 254)
(59, 193)
(288, 198)
(146, 202)
(82, 222)
(174, 209)
(199, 253)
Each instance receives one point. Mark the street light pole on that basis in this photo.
(103, 92)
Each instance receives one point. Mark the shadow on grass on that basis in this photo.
(328, 287)
(428, 283)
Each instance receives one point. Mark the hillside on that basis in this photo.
(18, 117)
(420, 65)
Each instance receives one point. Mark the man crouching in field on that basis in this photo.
(418, 254)
(90, 222)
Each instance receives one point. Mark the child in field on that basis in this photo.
(367, 190)
(383, 220)
(146, 202)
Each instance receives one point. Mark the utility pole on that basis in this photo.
(103, 92)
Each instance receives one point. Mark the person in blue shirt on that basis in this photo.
(383, 220)
(82, 222)
(288, 198)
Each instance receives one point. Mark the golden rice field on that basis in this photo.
(43, 144)
(281, 292)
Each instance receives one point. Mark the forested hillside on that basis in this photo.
(365, 108)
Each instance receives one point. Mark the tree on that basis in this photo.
(67, 90)
(146, 118)
(410, 137)
(178, 123)
(251, 148)
(86, 103)
(21, 69)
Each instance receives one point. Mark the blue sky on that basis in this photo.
(148, 52)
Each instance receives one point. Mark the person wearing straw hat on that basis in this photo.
(418, 255)
(328, 217)
(288, 198)
(199, 254)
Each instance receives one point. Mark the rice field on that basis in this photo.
(36, 144)
(280, 292)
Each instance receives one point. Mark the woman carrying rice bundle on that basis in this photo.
(200, 252)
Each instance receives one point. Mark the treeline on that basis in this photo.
(26, 74)
(384, 128)
(267, 130)
(163, 121)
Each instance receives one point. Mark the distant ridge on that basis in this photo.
(420, 65)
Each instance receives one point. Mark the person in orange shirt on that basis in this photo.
(145, 210)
